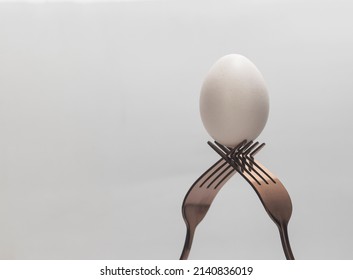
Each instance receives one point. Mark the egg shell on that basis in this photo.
(234, 102)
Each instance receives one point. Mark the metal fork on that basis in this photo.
(268, 187)
(200, 196)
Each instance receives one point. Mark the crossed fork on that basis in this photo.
(270, 190)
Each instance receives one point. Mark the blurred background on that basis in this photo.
(101, 136)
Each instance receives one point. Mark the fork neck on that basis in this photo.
(188, 242)
(285, 241)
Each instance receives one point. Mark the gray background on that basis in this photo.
(101, 136)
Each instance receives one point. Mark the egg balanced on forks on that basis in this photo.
(234, 106)
(234, 101)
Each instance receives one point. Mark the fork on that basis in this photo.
(201, 194)
(200, 197)
(268, 187)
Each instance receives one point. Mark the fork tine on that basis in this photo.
(240, 144)
(261, 169)
(238, 154)
(257, 150)
(248, 150)
(238, 159)
(251, 175)
(245, 146)
(219, 151)
(255, 171)
(224, 148)
(219, 175)
(239, 148)
(213, 173)
(237, 165)
(224, 178)
(227, 149)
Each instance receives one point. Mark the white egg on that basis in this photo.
(234, 102)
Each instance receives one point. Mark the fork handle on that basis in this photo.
(188, 242)
(285, 241)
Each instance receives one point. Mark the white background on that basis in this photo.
(100, 134)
